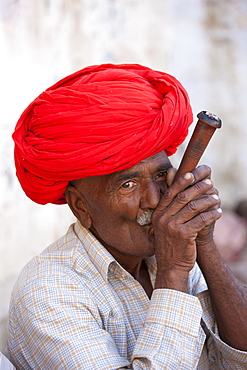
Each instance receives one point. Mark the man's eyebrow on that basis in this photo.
(127, 176)
(164, 167)
(131, 175)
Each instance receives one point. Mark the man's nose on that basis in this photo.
(151, 195)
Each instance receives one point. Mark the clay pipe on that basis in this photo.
(206, 125)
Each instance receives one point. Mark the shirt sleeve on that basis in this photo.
(59, 326)
(56, 324)
(220, 355)
(172, 336)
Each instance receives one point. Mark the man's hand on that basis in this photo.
(187, 211)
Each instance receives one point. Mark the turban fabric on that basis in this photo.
(97, 121)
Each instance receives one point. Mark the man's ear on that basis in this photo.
(78, 206)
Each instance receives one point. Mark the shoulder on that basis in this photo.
(62, 272)
(61, 264)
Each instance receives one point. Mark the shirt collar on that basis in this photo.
(98, 254)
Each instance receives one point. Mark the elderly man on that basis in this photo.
(137, 281)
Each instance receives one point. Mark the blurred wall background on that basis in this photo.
(203, 43)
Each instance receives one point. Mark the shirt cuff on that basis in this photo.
(176, 310)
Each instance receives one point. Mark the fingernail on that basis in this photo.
(219, 210)
(188, 175)
(208, 181)
(215, 196)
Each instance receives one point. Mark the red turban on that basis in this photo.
(97, 121)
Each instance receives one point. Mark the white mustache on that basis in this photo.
(145, 218)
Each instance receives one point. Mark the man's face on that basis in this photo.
(120, 203)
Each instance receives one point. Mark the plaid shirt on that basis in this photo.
(75, 307)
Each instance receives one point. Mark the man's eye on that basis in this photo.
(129, 185)
(161, 175)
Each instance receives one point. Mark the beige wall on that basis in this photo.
(203, 43)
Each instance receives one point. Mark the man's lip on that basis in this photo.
(149, 227)
(150, 224)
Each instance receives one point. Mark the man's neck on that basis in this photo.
(137, 267)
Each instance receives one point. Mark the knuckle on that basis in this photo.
(172, 229)
(210, 200)
(180, 181)
(160, 219)
(198, 186)
(207, 217)
(182, 197)
(193, 206)
(203, 216)
(168, 193)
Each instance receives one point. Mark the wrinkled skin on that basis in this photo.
(179, 233)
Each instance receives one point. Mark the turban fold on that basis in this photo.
(97, 121)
